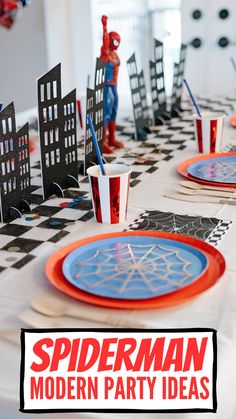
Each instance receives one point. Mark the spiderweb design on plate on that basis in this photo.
(130, 268)
(220, 171)
(203, 228)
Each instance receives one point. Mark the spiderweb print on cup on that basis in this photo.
(134, 267)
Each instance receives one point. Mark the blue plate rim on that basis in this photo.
(180, 243)
(199, 162)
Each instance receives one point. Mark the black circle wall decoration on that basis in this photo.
(224, 13)
(196, 14)
(223, 42)
(196, 43)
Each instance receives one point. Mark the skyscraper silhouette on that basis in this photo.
(58, 136)
(14, 165)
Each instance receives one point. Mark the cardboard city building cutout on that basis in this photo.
(58, 135)
(141, 120)
(95, 109)
(157, 82)
(178, 82)
(14, 166)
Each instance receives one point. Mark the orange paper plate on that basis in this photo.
(216, 267)
(183, 169)
(232, 121)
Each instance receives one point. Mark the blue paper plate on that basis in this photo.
(218, 169)
(134, 267)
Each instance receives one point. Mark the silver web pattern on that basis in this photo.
(220, 170)
(132, 267)
(204, 228)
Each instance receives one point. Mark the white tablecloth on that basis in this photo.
(215, 308)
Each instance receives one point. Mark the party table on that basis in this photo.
(215, 308)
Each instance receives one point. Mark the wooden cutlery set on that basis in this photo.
(211, 178)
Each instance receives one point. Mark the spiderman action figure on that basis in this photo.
(9, 10)
(111, 42)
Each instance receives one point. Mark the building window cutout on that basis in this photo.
(42, 92)
(57, 134)
(6, 146)
(11, 144)
(54, 89)
(47, 160)
(50, 113)
(48, 91)
(4, 127)
(51, 136)
(58, 155)
(3, 169)
(5, 187)
(14, 183)
(9, 124)
(52, 158)
(45, 114)
(9, 185)
(55, 112)
(46, 138)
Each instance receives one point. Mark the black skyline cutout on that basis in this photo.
(14, 166)
(58, 135)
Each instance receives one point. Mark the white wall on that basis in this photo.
(69, 35)
(48, 32)
(23, 57)
(208, 68)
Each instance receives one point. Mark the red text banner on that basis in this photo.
(117, 370)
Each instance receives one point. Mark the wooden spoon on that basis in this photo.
(34, 319)
(209, 192)
(52, 307)
(200, 199)
(198, 186)
(12, 336)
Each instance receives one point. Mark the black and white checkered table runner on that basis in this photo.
(22, 240)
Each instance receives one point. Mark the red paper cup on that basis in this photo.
(110, 192)
(208, 131)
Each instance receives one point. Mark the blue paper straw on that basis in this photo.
(192, 98)
(95, 143)
(233, 63)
